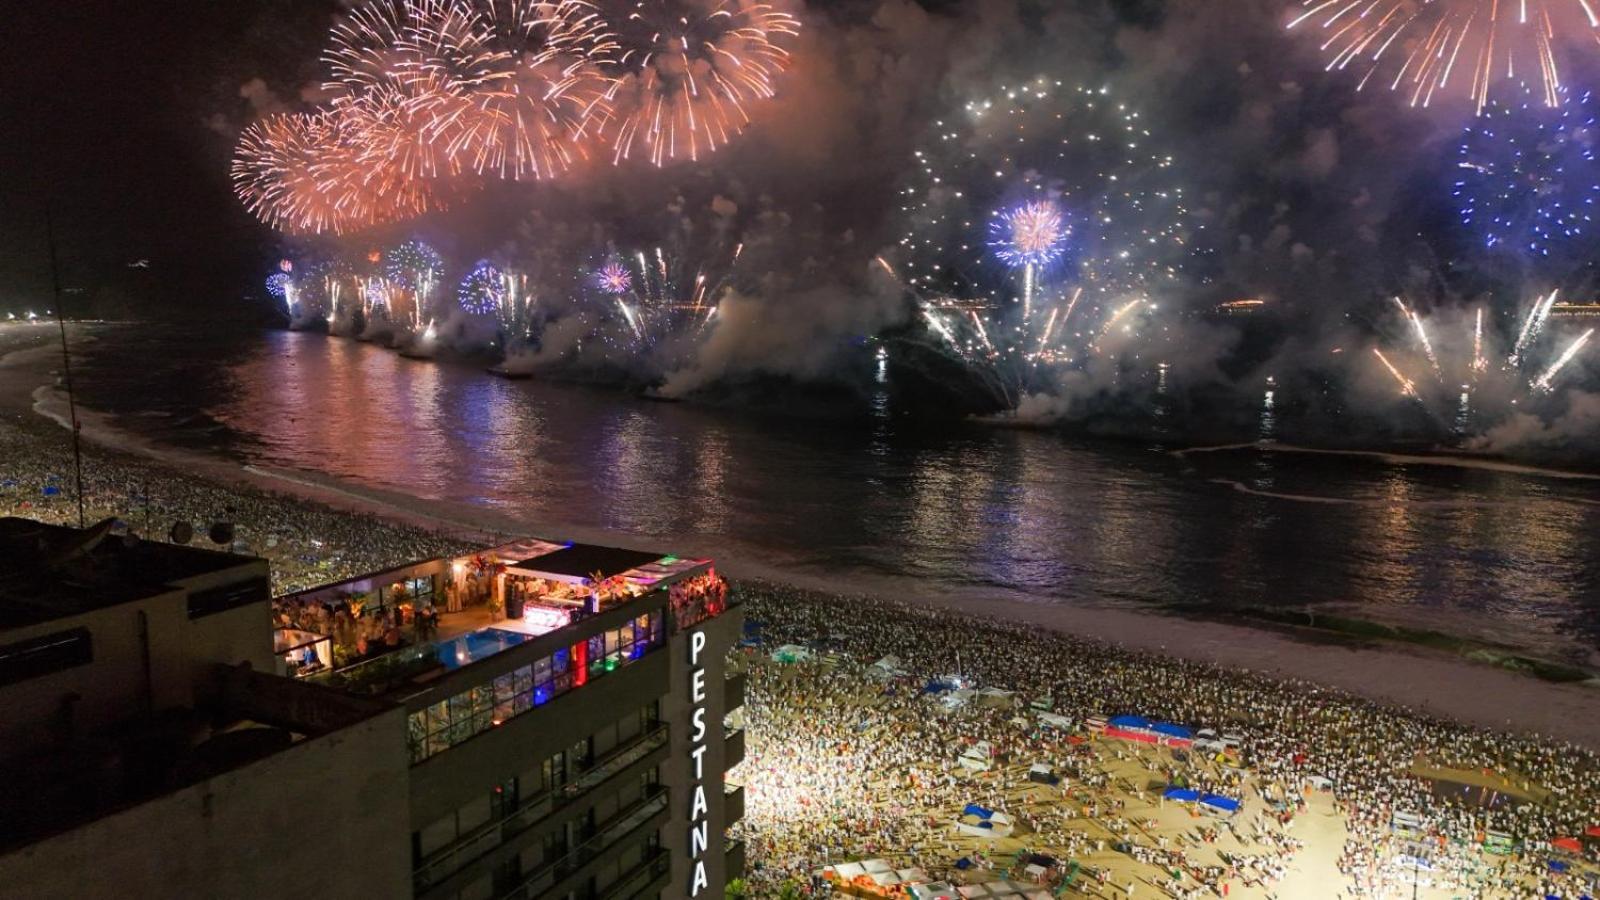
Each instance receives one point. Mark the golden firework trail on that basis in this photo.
(1543, 382)
(1408, 388)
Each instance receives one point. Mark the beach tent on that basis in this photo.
(995, 697)
(985, 823)
(955, 699)
(970, 891)
(1568, 844)
(911, 875)
(937, 890)
(752, 634)
(1219, 802)
(886, 668)
(789, 653)
(1055, 721)
(1039, 773)
(876, 866)
(848, 872)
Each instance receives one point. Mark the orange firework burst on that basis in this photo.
(1425, 47)
(307, 174)
(537, 76)
(687, 70)
(429, 94)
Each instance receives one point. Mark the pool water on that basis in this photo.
(476, 645)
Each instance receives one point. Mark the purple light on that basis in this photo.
(1034, 234)
(613, 278)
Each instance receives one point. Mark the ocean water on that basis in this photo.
(1507, 555)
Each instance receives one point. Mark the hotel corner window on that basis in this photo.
(449, 722)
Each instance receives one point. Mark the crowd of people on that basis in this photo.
(308, 544)
(845, 763)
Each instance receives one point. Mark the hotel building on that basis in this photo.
(534, 720)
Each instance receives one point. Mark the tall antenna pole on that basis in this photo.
(66, 365)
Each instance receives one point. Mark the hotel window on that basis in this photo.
(420, 589)
(44, 655)
(442, 725)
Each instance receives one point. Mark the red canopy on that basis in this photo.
(1592, 831)
(1570, 845)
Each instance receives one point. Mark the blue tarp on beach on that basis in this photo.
(1215, 801)
(974, 809)
(1143, 724)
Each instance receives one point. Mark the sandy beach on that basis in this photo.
(1437, 682)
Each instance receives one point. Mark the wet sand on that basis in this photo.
(1436, 682)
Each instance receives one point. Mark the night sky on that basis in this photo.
(120, 121)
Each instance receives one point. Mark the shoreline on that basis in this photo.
(1408, 675)
(1441, 459)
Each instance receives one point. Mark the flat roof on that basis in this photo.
(585, 560)
(54, 571)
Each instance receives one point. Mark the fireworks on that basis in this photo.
(429, 95)
(1408, 388)
(413, 268)
(689, 70)
(1538, 314)
(1528, 176)
(279, 285)
(309, 174)
(532, 73)
(483, 291)
(613, 278)
(1034, 234)
(1543, 382)
(377, 294)
(1035, 222)
(1425, 48)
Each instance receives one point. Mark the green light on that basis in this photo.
(611, 665)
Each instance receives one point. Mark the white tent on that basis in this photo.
(888, 667)
(997, 825)
(973, 890)
(912, 875)
(874, 866)
(848, 871)
(937, 890)
(1055, 721)
(996, 697)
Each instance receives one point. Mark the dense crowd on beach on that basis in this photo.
(850, 762)
(308, 543)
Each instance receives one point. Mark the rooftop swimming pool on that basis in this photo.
(476, 645)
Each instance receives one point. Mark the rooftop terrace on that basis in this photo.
(53, 571)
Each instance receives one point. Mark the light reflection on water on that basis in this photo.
(1462, 549)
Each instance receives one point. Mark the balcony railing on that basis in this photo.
(733, 859)
(732, 804)
(632, 883)
(631, 822)
(733, 748)
(474, 845)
